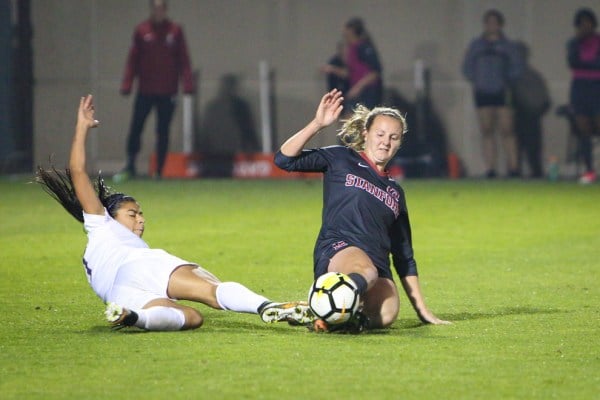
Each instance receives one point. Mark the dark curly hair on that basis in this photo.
(59, 185)
(585, 13)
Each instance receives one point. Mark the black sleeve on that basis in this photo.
(336, 61)
(368, 55)
(314, 160)
(574, 59)
(468, 67)
(573, 53)
(516, 63)
(402, 251)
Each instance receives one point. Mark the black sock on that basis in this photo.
(263, 305)
(130, 319)
(360, 281)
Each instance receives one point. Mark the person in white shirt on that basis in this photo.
(140, 285)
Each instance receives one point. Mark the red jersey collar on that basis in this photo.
(372, 165)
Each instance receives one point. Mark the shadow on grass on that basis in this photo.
(255, 329)
(104, 329)
(220, 322)
(213, 325)
(467, 316)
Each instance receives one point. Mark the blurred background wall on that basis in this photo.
(80, 46)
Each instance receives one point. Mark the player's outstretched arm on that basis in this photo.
(359, 86)
(90, 203)
(340, 72)
(327, 113)
(413, 291)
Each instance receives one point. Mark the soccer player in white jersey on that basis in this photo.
(140, 285)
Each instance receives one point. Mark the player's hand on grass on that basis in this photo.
(329, 108)
(85, 115)
(428, 318)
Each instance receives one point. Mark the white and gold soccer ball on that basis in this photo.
(333, 297)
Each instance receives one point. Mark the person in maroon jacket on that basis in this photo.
(158, 57)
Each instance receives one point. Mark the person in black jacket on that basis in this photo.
(531, 101)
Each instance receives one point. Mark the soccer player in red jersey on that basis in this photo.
(365, 218)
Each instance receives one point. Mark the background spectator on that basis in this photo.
(531, 102)
(336, 72)
(583, 55)
(364, 68)
(491, 64)
(158, 57)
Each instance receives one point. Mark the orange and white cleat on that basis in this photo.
(295, 312)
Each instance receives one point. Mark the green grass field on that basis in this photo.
(515, 266)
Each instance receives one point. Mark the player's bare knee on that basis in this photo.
(371, 274)
(193, 319)
(388, 318)
(380, 320)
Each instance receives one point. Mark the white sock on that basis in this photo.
(160, 319)
(236, 297)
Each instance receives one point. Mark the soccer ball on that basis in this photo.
(333, 297)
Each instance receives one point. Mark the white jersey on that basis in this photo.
(112, 247)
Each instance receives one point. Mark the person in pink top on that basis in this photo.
(159, 59)
(583, 56)
(363, 66)
(359, 68)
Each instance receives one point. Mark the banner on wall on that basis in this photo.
(241, 166)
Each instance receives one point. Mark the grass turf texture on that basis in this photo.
(513, 264)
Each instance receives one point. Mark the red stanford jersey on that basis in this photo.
(158, 58)
(361, 208)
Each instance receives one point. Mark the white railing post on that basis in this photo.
(264, 76)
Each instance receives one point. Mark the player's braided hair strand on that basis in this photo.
(59, 185)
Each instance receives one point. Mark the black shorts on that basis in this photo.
(585, 97)
(500, 99)
(324, 252)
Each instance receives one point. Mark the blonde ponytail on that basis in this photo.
(351, 133)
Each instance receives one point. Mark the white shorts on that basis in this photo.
(134, 287)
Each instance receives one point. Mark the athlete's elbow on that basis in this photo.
(282, 161)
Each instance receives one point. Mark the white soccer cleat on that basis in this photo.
(113, 312)
(295, 313)
(119, 317)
